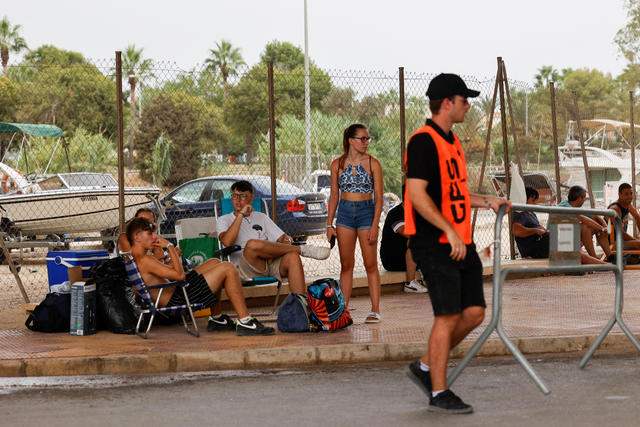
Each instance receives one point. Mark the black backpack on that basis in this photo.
(53, 314)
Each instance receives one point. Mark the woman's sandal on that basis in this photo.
(373, 317)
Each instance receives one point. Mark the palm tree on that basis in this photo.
(135, 68)
(226, 59)
(10, 41)
(546, 74)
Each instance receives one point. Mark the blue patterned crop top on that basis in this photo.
(361, 182)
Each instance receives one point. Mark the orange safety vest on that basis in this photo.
(456, 198)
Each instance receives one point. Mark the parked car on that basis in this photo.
(300, 214)
(320, 181)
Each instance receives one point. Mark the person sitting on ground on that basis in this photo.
(589, 226)
(623, 208)
(531, 237)
(267, 250)
(205, 281)
(394, 249)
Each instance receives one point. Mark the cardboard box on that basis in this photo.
(83, 309)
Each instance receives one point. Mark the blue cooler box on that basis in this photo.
(59, 261)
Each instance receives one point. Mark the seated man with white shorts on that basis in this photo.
(267, 250)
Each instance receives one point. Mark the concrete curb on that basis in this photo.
(288, 357)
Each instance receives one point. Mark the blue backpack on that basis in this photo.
(292, 314)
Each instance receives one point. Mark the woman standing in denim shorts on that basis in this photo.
(356, 181)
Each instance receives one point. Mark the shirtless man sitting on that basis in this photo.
(205, 281)
(624, 208)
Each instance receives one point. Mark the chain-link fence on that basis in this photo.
(189, 134)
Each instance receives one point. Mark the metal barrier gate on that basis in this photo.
(500, 275)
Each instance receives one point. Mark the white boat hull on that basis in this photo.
(72, 211)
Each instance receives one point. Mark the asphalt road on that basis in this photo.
(607, 392)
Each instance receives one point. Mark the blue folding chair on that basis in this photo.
(259, 206)
(149, 306)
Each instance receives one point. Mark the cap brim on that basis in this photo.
(472, 93)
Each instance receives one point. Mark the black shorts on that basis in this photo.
(541, 247)
(394, 263)
(453, 285)
(197, 291)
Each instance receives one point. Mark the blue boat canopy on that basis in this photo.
(31, 129)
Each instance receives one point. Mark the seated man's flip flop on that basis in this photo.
(373, 317)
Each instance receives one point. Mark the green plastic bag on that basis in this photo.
(199, 249)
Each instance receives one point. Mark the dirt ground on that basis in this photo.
(12, 318)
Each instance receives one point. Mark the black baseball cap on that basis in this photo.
(447, 85)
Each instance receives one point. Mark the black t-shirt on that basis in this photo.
(393, 245)
(422, 163)
(527, 245)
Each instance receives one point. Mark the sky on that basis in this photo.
(460, 36)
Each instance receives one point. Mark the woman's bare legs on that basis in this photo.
(347, 247)
(370, 258)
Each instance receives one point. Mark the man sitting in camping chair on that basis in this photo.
(267, 250)
(205, 281)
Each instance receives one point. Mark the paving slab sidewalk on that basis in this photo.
(541, 315)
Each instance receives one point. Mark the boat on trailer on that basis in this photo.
(62, 204)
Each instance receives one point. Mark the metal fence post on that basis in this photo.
(272, 143)
(505, 147)
(633, 157)
(554, 128)
(120, 140)
(403, 138)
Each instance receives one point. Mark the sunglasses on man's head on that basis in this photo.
(239, 196)
(149, 227)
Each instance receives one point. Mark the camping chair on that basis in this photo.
(192, 227)
(612, 245)
(258, 205)
(149, 306)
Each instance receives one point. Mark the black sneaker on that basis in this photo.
(253, 327)
(420, 377)
(223, 323)
(448, 403)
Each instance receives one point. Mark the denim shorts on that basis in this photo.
(355, 215)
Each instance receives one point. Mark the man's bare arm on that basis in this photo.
(520, 230)
(230, 236)
(489, 202)
(173, 271)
